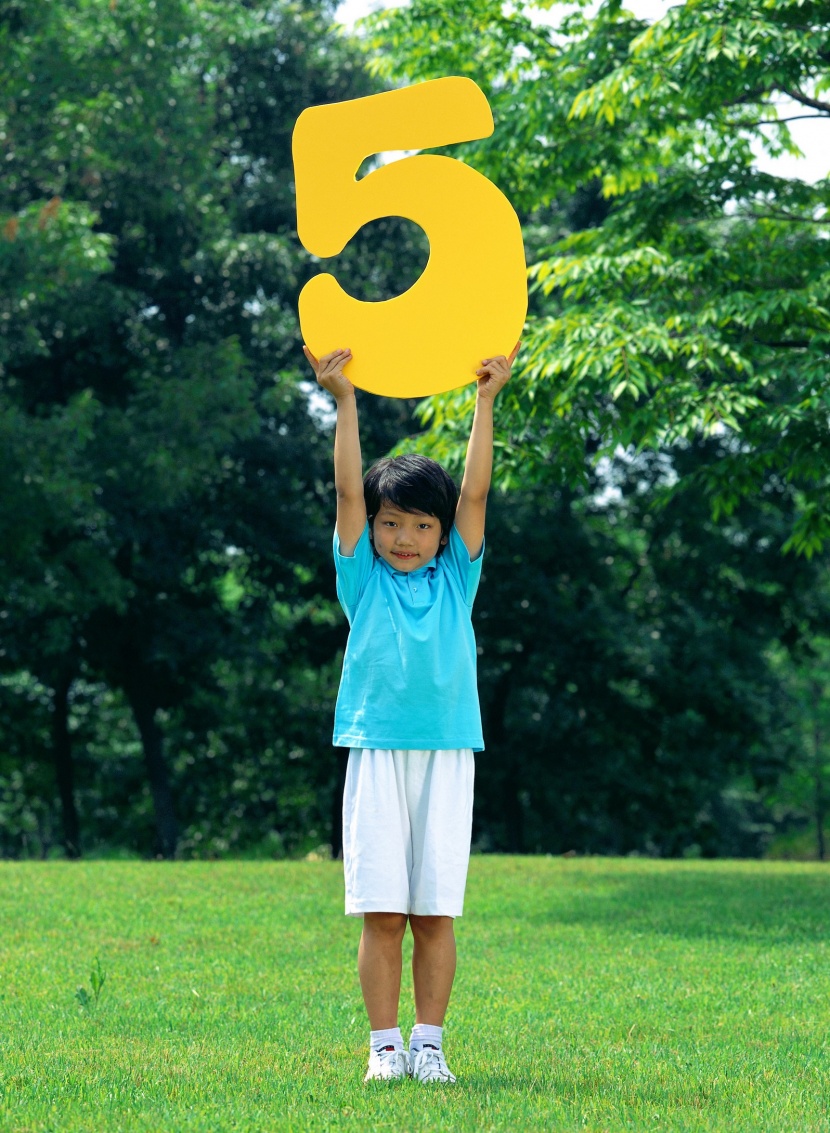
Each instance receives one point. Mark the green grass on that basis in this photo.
(591, 994)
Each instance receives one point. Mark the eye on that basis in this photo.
(427, 525)
(389, 523)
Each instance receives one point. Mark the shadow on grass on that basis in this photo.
(741, 902)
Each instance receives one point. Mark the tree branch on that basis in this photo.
(775, 121)
(800, 344)
(776, 214)
(748, 96)
(805, 100)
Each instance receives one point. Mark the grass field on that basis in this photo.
(591, 994)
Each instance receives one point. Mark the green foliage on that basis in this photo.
(695, 303)
(166, 521)
(629, 700)
(28, 820)
(150, 412)
(806, 785)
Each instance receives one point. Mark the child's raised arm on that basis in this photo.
(348, 465)
(478, 468)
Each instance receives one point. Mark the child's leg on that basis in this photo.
(379, 962)
(433, 967)
(440, 797)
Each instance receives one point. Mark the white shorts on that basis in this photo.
(407, 825)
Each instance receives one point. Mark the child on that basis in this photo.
(408, 553)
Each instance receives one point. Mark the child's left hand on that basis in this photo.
(495, 373)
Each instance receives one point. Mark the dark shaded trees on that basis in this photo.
(624, 665)
(150, 271)
(171, 638)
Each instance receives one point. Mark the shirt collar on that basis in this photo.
(431, 565)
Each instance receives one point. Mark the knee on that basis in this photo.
(385, 924)
(429, 928)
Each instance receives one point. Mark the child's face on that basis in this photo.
(406, 540)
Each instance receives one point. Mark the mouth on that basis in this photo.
(401, 555)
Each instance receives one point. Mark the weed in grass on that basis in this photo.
(97, 978)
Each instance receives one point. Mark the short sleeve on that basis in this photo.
(353, 571)
(457, 561)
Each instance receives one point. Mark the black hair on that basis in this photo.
(411, 483)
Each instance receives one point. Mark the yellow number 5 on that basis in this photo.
(471, 300)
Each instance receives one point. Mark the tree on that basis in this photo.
(50, 262)
(804, 791)
(678, 309)
(629, 704)
(150, 272)
(167, 513)
(695, 302)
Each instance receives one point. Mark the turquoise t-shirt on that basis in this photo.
(409, 673)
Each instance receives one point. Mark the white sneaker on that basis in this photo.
(428, 1065)
(387, 1063)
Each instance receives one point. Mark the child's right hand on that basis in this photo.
(329, 371)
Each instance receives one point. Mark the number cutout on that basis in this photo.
(470, 302)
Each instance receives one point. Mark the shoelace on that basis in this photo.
(434, 1060)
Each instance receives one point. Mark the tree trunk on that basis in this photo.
(152, 740)
(341, 755)
(64, 767)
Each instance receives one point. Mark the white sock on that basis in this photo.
(390, 1037)
(424, 1034)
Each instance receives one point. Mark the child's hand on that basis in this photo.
(495, 373)
(329, 371)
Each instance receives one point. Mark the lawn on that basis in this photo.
(591, 994)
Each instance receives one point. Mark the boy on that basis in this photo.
(408, 553)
